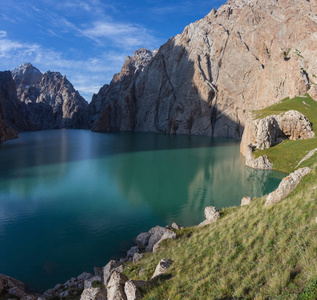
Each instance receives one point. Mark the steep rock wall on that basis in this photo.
(206, 80)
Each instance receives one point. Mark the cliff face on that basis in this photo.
(247, 55)
(7, 95)
(50, 99)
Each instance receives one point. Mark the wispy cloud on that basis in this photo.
(3, 34)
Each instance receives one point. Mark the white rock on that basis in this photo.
(162, 267)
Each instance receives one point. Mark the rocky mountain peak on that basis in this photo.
(26, 75)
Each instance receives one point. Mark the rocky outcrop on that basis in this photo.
(94, 294)
(287, 185)
(169, 234)
(50, 100)
(307, 156)
(272, 130)
(115, 287)
(211, 215)
(261, 162)
(206, 80)
(13, 288)
(162, 267)
(113, 108)
(246, 200)
(132, 289)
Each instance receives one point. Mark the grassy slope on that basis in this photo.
(287, 155)
(250, 252)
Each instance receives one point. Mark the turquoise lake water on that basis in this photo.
(73, 199)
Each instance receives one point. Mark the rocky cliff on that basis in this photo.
(50, 99)
(247, 55)
(7, 95)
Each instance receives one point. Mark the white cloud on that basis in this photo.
(3, 34)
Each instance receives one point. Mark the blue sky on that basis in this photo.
(88, 40)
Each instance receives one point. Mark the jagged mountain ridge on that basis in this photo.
(51, 100)
(247, 55)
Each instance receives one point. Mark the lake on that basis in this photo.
(73, 199)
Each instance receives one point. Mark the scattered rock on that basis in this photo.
(246, 200)
(155, 235)
(109, 268)
(287, 185)
(115, 286)
(131, 252)
(132, 289)
(94, 294)
(84, 276)
(162, 267)
(211, 215)
(137, 257)
(169, 234)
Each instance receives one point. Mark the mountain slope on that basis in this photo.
(247, 55)
(51, 100)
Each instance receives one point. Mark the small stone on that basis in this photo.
(211, 215)
(173, 226)
(246, 200)
(132, 289)
(162, 267)
(137, 257)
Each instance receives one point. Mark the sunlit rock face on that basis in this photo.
(50, 99)
(247, 55)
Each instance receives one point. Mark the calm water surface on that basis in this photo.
(73, 199)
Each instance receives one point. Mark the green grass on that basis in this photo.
(309, 109)
(251, 252)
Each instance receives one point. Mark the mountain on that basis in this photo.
(245, 56)
(7, 94)
(117, 98)
(50, 99)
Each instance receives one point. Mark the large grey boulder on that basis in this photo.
(169, 234)
(143, 239)
(109, 268)
(155, 235)
(132, 289)
(287, 185)
(162, 267)
(115, 287)
(211, 215)
(94, 294)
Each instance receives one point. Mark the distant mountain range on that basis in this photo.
(245, 56)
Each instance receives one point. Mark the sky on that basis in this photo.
(88, 40)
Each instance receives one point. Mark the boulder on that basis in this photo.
(97, 271)
(84, 276)
(246, 200)
(173, 226)
(143, 239)
(89, 282)
(132, 289)
(94, 294)
(287, 185)
(137, 257)
(211, 215)
(109, 268)
(115, 286)
(155, 235)
(13, 286)
(169, 234)
(162, 267)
